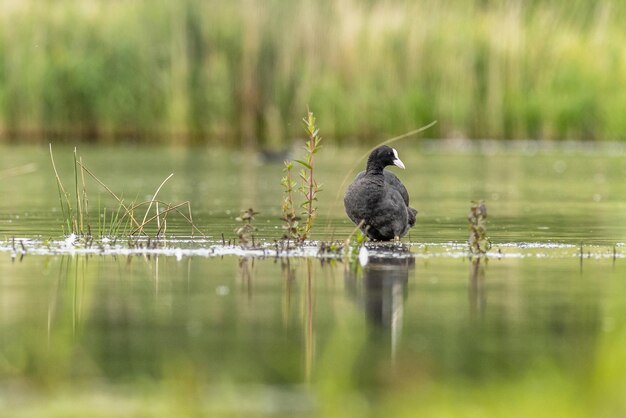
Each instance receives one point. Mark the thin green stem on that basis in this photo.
(67, 215)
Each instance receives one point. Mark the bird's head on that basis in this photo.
(384, 156)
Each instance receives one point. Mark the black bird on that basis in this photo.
(379, 199)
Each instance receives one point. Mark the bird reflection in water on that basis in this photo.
(382, 291)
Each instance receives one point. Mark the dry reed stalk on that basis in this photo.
(153, 200)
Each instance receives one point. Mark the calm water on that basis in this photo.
(535, 330)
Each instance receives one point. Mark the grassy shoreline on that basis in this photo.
(243, 72)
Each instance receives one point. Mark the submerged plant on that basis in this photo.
(246, 230)
(478, 241)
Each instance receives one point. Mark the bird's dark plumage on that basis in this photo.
(379, 199)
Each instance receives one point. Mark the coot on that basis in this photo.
(379, 199)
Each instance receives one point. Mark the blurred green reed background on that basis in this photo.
(244, 71)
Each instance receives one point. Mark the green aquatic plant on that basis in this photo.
(245, 231)
(289, 217)
(478, 240)
(353, 247)
(111, 223)
(347, 249)
(75, 218)
(309, 188)
(122, 220)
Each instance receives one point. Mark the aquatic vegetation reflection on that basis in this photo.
(214, 333)
(476, 287)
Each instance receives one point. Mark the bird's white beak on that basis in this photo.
(397, 162)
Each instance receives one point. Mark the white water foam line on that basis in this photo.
(180, 248)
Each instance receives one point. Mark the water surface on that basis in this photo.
(194, 328)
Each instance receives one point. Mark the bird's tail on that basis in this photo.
(412, 215)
